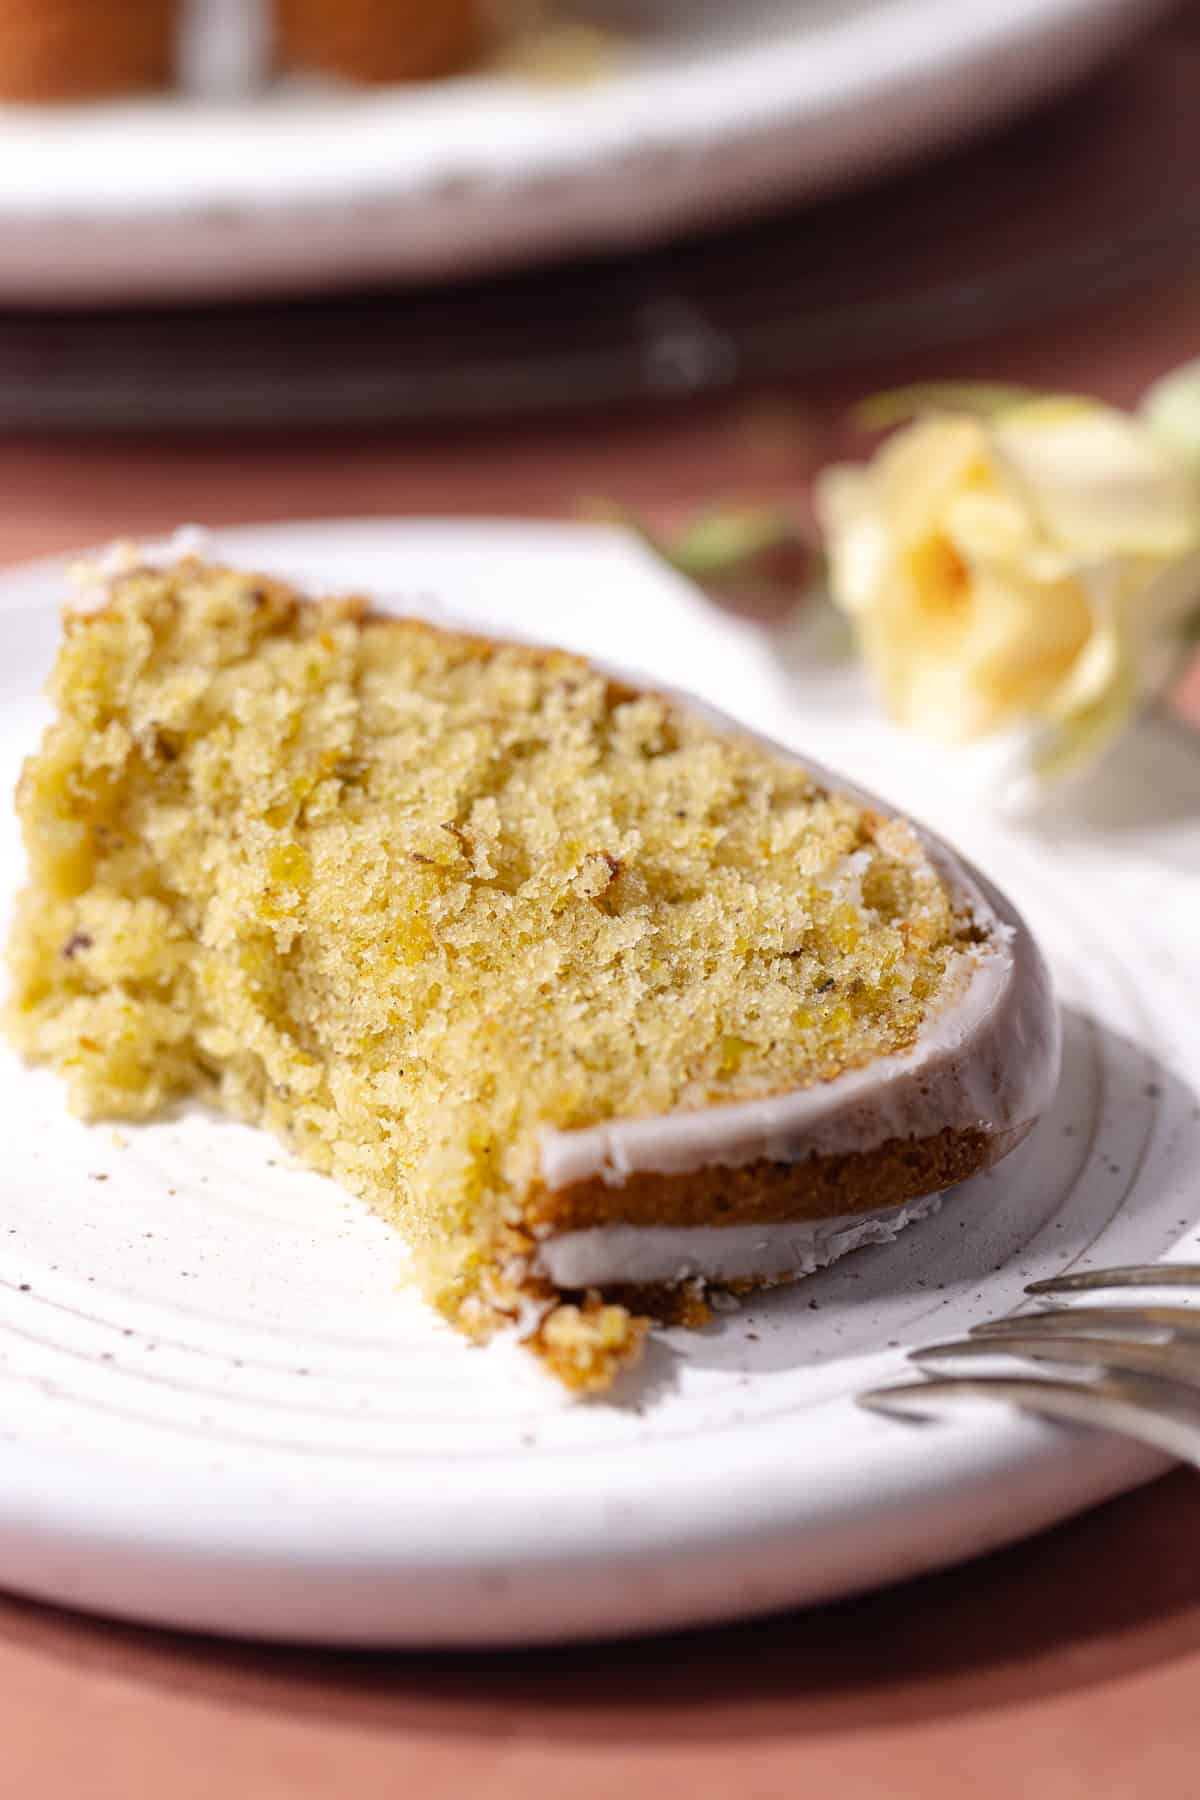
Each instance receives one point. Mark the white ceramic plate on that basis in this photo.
(217, 1411)
(715, 109)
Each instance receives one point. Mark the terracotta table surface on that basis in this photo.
(1068, 1667)
(58, 493)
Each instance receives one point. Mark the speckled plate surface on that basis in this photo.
(708, 111)
(220, 1410)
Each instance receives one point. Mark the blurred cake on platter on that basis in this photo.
(379, 40)
(84, 49)
(67, 50)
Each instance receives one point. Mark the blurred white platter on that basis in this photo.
(713, 110)
(218, 1410)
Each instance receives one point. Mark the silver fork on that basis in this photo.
(1129, 1368)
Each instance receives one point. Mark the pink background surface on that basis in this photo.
(1067, 1667)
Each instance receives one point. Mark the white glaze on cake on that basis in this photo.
(986, 1061)
(651, 1255)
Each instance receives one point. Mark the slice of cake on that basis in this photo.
(599, 998)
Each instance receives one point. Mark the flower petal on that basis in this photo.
(1075, 737)
(1171, 408)
(1098, 482)
(990, 527)
(1025, 638)
(857, 543)
(922, 679)
(919, 470)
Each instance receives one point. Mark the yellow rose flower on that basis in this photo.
(1021, 565)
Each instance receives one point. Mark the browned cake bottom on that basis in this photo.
(764, 1192)
(767, 1192)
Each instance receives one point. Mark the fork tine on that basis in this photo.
(1160, 1414)
(1084, 1321)
(1151, 1275)
(1167, 1361)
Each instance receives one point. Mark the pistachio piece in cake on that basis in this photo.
(597, 997)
